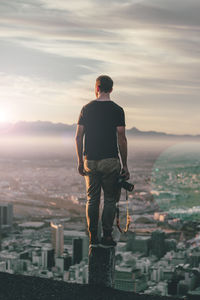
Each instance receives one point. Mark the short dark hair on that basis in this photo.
(105, 83)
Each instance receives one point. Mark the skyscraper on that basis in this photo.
(80, 249)
(47, 257)
(0, 236)
(77, 250)
(57, 238)
(6, 213)
(157, 243)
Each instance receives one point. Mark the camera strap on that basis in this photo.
(127, 216)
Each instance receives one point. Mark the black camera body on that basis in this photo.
(125, 184)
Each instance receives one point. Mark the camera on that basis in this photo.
(125, 184)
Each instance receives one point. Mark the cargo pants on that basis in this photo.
(103, 174)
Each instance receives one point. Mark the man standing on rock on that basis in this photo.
(102, 122)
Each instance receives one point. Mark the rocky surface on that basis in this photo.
(20, 287)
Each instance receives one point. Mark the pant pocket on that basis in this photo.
(89, 166)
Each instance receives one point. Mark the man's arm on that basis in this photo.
(122, 142)
(80, 131)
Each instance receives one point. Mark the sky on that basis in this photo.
(51, 53)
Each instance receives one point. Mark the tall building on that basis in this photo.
(130, 279)
(157, 243)
(57, 239)
(2, 266)
(80, 249)
(6, 213)
(60, 263)
(0, 237)
(47, 257)
(77, 251)
(140, 244)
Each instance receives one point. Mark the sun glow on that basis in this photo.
(4, 116)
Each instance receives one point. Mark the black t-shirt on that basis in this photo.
(100, 119)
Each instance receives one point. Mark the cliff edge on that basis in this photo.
(20, 287)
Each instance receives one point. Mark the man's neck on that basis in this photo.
(104, 97)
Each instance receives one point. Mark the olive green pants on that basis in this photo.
(103, 174)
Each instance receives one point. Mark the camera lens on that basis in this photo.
(127, 186)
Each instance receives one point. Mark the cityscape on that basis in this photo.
(56, 57)
(44, 232)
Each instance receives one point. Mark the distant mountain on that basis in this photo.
(53, 129)
(136, 132)
(36, 128)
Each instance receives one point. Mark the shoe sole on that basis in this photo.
(107, 246)
(93, 245)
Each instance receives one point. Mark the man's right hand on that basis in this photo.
(81, 169)
(125, 173)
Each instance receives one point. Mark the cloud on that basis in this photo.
(54, 50)
(23, 61)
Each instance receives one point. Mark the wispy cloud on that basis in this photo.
(58, 48)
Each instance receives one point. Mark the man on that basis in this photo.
(102, 123)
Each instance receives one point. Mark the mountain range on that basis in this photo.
(55, 129)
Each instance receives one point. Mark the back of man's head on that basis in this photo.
(105, 83)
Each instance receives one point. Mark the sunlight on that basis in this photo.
(4, 116)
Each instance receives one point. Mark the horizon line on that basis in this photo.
(75, 124)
